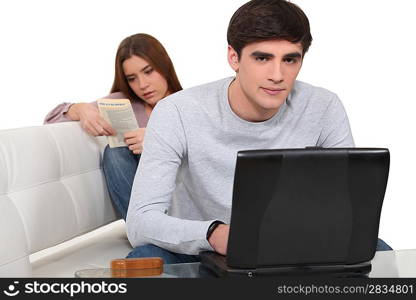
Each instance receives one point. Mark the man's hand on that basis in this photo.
(90, 118)
(219, 238)
(134, 140)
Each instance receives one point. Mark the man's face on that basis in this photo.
(266, 72)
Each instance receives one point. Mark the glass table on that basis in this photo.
(188, 270)
(393, 264)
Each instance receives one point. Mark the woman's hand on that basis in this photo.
(90, 118)
(134, 140)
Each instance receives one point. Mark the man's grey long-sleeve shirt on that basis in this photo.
(185, 176)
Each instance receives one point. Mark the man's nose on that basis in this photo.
(276, 74)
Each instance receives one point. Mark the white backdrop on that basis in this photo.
(364, 50)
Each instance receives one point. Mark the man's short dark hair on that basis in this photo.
(263, 20)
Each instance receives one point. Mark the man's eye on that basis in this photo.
(290, 60)
(262, 58)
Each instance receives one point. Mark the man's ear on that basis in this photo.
(233, 59)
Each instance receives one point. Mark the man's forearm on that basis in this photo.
(170, 233)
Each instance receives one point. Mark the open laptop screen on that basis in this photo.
(306, 206)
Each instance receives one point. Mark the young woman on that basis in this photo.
(144, 74)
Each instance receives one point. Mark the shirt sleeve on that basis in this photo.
(148, 221)
(336, 131)
(58, 114)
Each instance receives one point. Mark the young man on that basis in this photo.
(182, 203)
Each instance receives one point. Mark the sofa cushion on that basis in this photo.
(93, 250)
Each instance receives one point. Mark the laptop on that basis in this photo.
(304, 212)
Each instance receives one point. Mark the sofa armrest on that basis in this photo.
(52, 188)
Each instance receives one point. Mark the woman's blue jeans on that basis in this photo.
(120, 165)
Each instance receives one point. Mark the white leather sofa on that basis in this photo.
(55, 213)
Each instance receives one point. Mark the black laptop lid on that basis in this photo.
(306, 206)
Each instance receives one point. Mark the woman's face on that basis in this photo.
(146, 82)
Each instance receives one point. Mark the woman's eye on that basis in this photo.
(130, 79)
(148, 71)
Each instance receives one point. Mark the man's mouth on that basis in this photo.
(272, 91)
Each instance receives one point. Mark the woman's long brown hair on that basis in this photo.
(152, 51)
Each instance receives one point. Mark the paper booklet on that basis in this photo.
(119, 114)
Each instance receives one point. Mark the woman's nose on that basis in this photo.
(143, 83)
